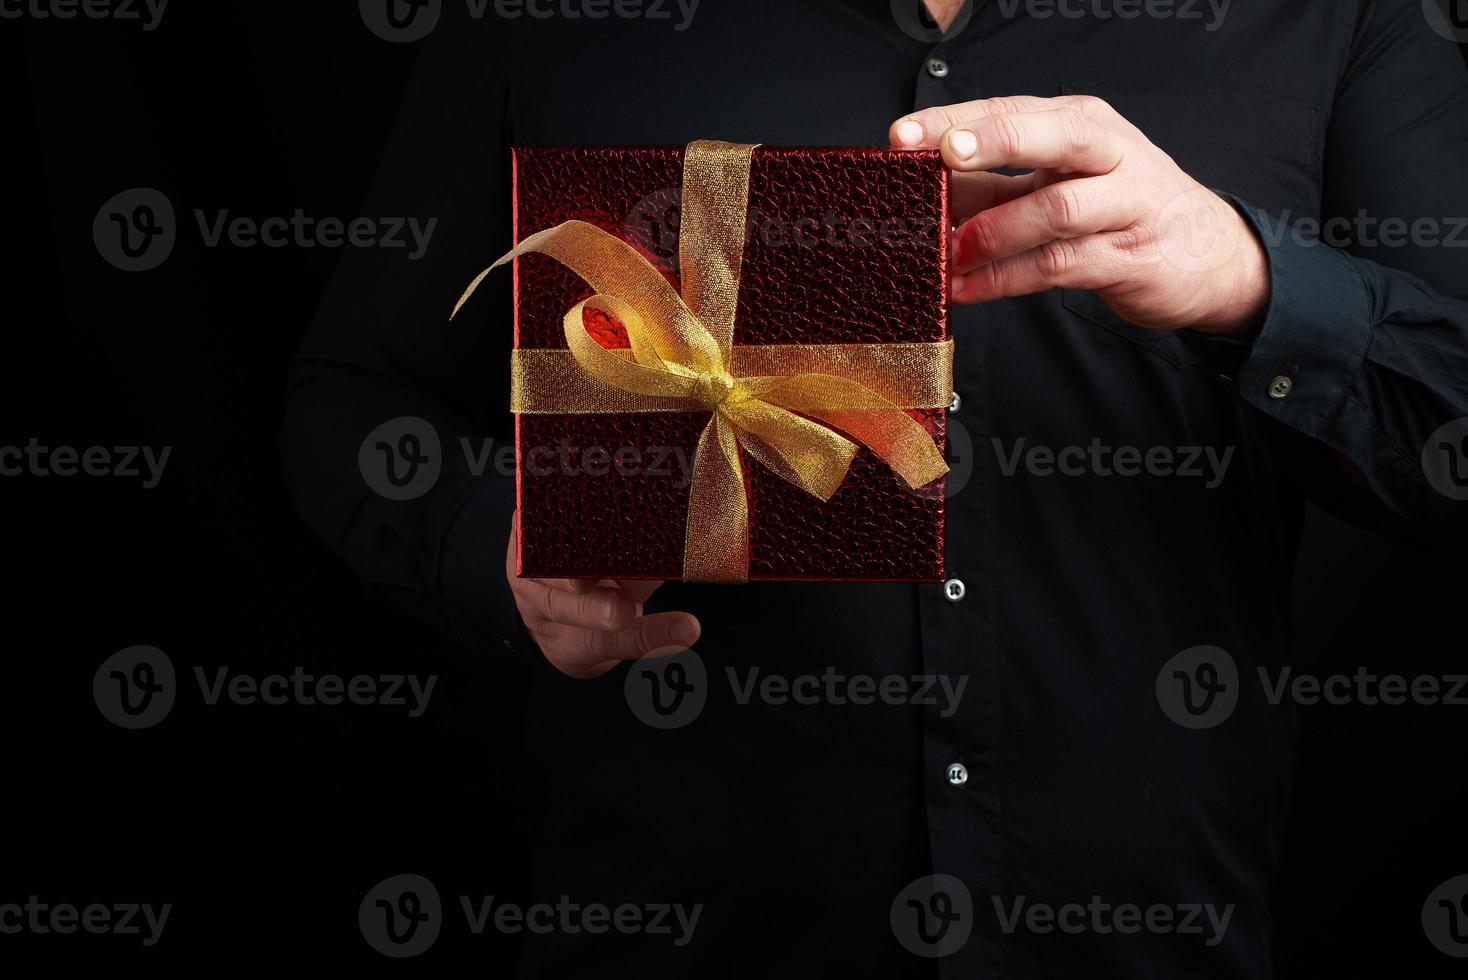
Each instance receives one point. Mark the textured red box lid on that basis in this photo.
(845, 246)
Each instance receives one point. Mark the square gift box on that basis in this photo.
(842, 272)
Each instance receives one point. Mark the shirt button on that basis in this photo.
(957, 774)
(1281, 387)
(954, 403)
(937, 67)
(954, 590)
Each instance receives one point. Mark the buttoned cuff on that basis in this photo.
(1316, 332)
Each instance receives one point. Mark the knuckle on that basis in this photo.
(1077, 132)
(1092, 106)
(981, 235)
(1056, 258)
(546, 603)
(987, 280)
(1061, 205)
(592, 643)
(1008, 135)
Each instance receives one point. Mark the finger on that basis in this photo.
(1064, 139)
(1092, 263)
(600, 609)
(923, 130)
(655, 635)
(971, 193)
(581, 586)
(1067, 209)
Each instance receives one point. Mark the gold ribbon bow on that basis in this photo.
(683, 358)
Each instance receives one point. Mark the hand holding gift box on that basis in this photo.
(802, 412)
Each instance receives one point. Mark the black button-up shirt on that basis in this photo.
(1064, 784)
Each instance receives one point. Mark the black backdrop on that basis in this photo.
(264, 826)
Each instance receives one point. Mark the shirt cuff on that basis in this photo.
(1316, 332)
(481, 609)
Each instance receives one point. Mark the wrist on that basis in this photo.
(1247, 288)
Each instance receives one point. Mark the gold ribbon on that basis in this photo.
(682, 358)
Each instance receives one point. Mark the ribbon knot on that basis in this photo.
(711, 390)
(766, 402)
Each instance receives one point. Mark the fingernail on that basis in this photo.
(910, 132)
(607, 610)
(963, 143)
(957, 285)
(682, 632)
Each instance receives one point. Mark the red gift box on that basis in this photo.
(842, 246)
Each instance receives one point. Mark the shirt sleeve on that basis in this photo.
(381, 351)
(1364, 348)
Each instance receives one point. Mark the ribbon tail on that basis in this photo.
(716, 541)
(894, 436)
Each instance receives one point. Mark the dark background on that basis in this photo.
(265, 826)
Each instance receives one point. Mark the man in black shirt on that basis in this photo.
(1214, 275)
